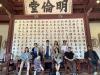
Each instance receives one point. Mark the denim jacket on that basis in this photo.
(25, 56)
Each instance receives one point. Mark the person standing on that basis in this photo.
(48, 50)
(64, 47)
(56, 45)
(48, 56)
(35, 51)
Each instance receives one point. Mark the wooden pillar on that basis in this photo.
(9, 43)
(10, 35)
(87, 30)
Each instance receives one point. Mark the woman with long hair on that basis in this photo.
(57, 57)
(25, 58)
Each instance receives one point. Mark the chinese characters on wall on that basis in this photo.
(30, 31)
(48, 6)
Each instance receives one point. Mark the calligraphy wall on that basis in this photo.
(48, 6)
(30, 31)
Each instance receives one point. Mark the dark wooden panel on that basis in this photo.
(94, 16)
(8, 5)
(87, 31)
(49, 16)
(10, 35)
(2, 11)
(81, 1)
(99, 38)
(0, 40)
(4, 18)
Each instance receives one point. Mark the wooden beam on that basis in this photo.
(80, 1)
(9, 42)
(87, 31)
(49, 16)
(89, 11)
(79, 6)
(7, 5)
(10, 34)
(4, 18)
(92, 3)
(94, 16)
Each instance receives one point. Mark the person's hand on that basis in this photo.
(99, 61)
(71, 59)
(32, 65)
(89, 58)
(42, 69)
(65, 57)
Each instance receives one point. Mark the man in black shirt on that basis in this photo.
(69, 56)
(93, 59)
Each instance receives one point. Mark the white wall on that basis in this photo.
(4, 33)
(95, 30)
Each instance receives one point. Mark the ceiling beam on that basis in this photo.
(94, 16)
(4, 18)
(7, 5)
(80, 2)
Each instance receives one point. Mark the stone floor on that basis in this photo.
(24, 73)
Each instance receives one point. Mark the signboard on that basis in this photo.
(48, 6)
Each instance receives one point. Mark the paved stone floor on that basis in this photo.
(24, 73)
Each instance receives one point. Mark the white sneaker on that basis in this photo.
(74, 74)
(57, 73)
(34, 72)
(95, 73)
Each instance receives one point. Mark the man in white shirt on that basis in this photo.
(64, 47)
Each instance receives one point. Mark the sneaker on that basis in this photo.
(95, 73)
(57, 73)
(34, 72)
(74, 74)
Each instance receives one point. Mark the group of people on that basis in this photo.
(57, 54)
